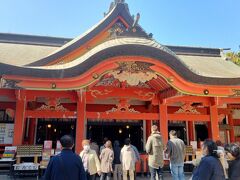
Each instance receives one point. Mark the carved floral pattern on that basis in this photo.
(133, 73)
(236, 92)
(122, 106)
(52, 105)
(95, 93)
(188, 109)
(148, 95)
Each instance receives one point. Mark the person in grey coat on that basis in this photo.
(154, 148)
(176, 151)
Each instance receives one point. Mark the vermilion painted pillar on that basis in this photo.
(148, 128)
(163, 121)
(214, 122)
(190, 131)
(81, 116)
(231, 132)
(31, 132)
(19, 118)
(209, 129)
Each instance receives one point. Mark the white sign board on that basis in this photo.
(6, 133)
(25, 166)
(194, 145)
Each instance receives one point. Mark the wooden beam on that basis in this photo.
(105, 92)
(32, 95)
(51, 114)
(122, 116)
(5, 105)
(10, 93)
(188, 117)
(233, 100)
(192, 99)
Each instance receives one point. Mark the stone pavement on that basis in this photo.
(167, 176)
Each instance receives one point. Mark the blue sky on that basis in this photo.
(205, 23)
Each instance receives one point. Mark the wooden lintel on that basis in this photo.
(193, 99)
(103, 92)
(10, 93)
(32, 95)
(122, 116)
(51, 114)
(233, 100)
(188, 117)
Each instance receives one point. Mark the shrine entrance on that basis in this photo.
(201, 132)
(54, 129)
(116, 130)
(180, 128)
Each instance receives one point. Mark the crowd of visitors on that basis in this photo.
(218, 162)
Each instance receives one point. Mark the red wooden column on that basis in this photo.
(214, 121)
(190, 131)
(231, 131)
(31, 132)
(148, 128)
(163, 121)
(81, 116)
(209, 129)
(19, 117)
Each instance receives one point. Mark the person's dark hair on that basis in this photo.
(66, 141)
(212, 147)
(234, 149)
(173, 133)
(105, 140)
(116, 143)
(227, 147)
(219, 143)
(127, 141)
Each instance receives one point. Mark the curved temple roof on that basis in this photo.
(120, 10)
(125, 47)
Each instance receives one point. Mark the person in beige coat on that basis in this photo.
(106, 158)
(128, 160)
(154, 148)
(90, 161)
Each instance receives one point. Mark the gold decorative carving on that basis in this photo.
(122, 106)
(133, 73)
(187, 108)
(170, 79)
(95, 75)
(147, 95)
(52, 105)
(236, 92)
(95, 93)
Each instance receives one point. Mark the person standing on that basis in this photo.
(104, 144)
(176, 151)
(66, 165)
(210, 167)
(128, 160)
(154, 149)
(117, 167)
(233, 153)
(106, 158)
(94, 146)
(90, 161)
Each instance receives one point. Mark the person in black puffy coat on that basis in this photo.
(233, 153)
(66, 165)
(210, 167)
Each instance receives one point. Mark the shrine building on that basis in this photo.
(115, 81)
